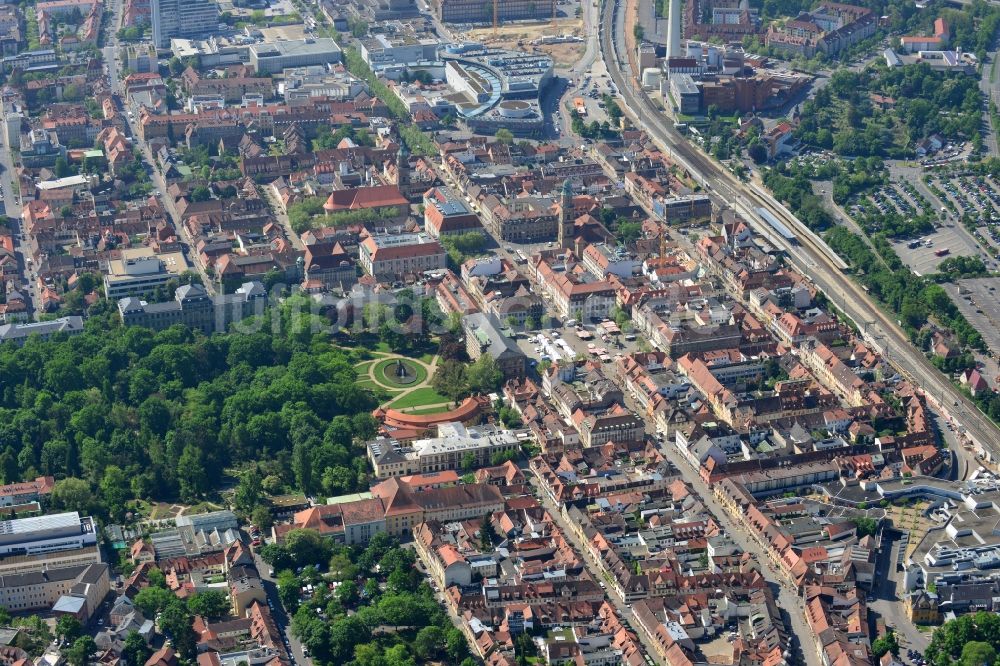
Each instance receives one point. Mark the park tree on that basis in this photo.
(456, 646)
(487, 535)
(79, 653)
(450, 379)
(468, 461)
(429, 643)
(757, 152)
(978, 653)
(61, 167)
(151, 600)
(884, 644)
(122, 413)
(485, 375)
(135, 650)
(345, 635)
(348, 593)
(866, 526)
(628, 231)
(210, 604)
(176, 621)
(157, 578)
(308, 547)
(339, 479)
(68, 628)
(262, 518)
(341, 567)
(201, 193)
(194, 481)
(950, 640)
(115, 489)
(72, 494)
(277, 556)
(249, 491)
(288, 590)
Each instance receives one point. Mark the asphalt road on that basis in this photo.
(159, 185)
(888, 593)
(809, 254)
(989, 83)
(281, 618)
(583, 66)
(12, 209)
(786, 595)
(610, 593)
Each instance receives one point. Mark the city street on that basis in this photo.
(624, 610)
(159, 185)
(793, 610)
(281, 618)
(989, 83)
(806, 252)
(586, 66)
(10, 198)
(888, 601)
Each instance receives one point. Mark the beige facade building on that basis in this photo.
(447, 451)
(389, 257)
(475, 11)
(78, 590)
(407, 508)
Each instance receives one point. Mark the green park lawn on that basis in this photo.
(430, 410)
(385, 373)
(419, 397)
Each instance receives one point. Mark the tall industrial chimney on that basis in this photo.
(674, 30)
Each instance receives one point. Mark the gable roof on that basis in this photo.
(362, 198)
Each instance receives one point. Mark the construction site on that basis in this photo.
(551, 27)
(536, 38)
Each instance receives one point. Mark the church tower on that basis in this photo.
(566, 226)
(402, 169)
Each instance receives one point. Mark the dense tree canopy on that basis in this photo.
(377, 590)
(843, 117)
(116, 413)
(970, 640)
(913, 297)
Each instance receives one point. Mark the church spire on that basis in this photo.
(566, 220)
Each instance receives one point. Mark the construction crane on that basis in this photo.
(496, 17)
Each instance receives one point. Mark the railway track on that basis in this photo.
(813, 256)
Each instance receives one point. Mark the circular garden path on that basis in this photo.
(417, 374)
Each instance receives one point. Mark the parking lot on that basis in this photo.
(907, 200)
(923, 254)
(979, 301)
(896, 208)
(567, 343)
(592, 90)
(978, 196)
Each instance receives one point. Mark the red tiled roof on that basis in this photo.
(362, 198)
